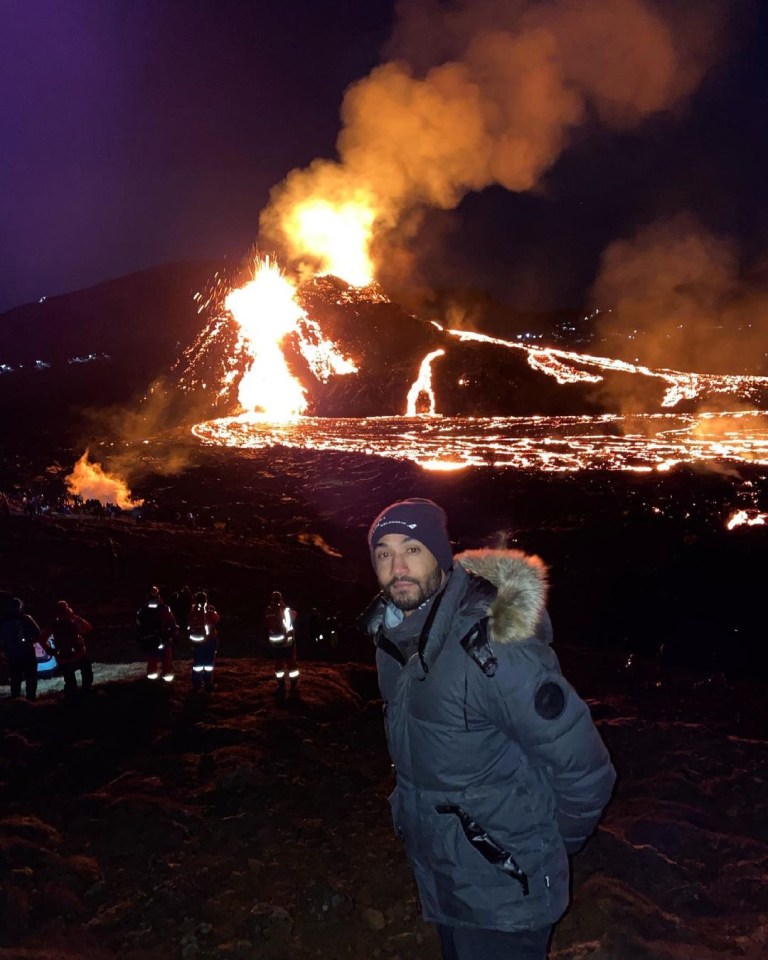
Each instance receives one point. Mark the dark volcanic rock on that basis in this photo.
(276, 841)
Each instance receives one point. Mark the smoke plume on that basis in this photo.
(677, 298)
(481, 93)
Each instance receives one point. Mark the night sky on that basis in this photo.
(138, 132)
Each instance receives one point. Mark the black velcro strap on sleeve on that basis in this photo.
(477, 644)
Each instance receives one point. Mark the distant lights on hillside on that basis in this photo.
(45, 365)
(89, 357)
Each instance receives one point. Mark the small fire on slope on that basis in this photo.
(91, 482)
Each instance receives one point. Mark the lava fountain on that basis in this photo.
(267, 312)
(335, 237)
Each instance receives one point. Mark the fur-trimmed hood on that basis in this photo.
(521, 584)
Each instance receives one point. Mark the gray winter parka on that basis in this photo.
(500, 770)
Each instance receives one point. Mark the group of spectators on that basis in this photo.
(64, 639)
(40, 505)
(501, 774)
(160, 626)
(176, 512)
(189, 616)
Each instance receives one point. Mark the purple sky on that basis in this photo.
(137, 132)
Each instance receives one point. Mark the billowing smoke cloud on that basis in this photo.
(154, 417)
(481, 93)
(678, 298)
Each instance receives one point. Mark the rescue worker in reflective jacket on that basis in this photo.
(156, 630)
(280, 622)
(204, 633)
(501, 773)
(18, 635)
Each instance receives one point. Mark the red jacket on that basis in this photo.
(202, 623)
(66, 643)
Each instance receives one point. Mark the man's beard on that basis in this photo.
(428, 587)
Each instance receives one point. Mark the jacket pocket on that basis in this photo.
(487, 846)
(494, 870)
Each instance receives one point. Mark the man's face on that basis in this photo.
(407, 571)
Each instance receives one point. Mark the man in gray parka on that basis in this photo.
(501, 774)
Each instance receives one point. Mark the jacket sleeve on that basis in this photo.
(45, 641)
(538, 708)
(169, 625)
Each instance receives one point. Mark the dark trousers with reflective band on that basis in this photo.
(160, 662)
(23, 668)
(203, 662)
(286, 663)
(471, 943)
(69, 670)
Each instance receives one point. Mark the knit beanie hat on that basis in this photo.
(423, 520)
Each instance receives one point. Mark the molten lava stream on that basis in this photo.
(651, 442)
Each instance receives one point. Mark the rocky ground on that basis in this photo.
(152, 822)
(155, 822)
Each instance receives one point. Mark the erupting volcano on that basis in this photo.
(386, 383)
(318, 357)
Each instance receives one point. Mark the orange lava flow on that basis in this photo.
(569, 367)
(749, 518)
(422, 387)
(639, 444)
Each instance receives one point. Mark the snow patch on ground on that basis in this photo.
(102, 673)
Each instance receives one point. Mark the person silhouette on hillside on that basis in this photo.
(18, 635)
(280, 623)
(181, 604)
(156, 631)
(204, 636)
(65, 639)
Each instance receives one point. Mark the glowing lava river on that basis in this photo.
(641, 443)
